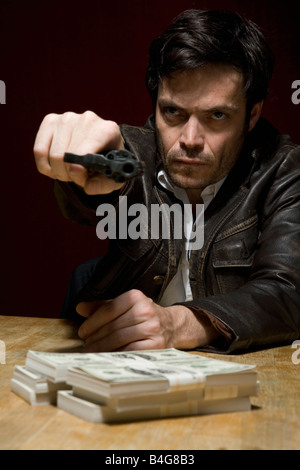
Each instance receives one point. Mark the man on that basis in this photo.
(208, 76)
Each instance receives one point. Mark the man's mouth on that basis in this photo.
(190, 161)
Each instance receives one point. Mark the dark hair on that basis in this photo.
(199, 37)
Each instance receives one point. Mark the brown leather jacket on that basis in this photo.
(247, 275)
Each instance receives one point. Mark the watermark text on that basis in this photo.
(2, 352)
(2, 92)
(296, 354)
(163, 221)
(296, 94)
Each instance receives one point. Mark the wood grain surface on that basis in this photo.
(273, 422)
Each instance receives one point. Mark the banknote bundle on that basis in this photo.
(135, 385)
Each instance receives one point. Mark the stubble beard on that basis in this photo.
(186, 178)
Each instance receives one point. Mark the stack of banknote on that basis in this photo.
(134, 385)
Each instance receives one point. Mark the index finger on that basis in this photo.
(97, 318)
(42, 145)
(86, 309)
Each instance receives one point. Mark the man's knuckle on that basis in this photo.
(67, 117)
(50, 118)
(112, 130)
(89, 116)
(135, 295)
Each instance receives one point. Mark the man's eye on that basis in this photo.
(172, 111)
(218, 116)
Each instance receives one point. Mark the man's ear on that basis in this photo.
(255, 114)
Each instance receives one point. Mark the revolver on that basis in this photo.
(117, 164)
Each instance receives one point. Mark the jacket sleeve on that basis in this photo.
(77, 206)
(266, 309)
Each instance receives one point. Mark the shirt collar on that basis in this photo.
(207, 194)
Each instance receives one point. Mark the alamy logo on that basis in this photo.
(163, 221)
(296, 94)
(2, 92)
(2, 353)
(296, 354)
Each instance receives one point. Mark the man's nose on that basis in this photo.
(192, 134)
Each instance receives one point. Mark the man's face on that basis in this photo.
(201, 125)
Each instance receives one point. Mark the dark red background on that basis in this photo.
(61, 56)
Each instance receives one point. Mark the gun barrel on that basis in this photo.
(117, 164)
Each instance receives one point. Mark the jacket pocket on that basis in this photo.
(233, 253)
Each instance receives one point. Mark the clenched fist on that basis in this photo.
(80, 134)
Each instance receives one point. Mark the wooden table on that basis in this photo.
(273, 423)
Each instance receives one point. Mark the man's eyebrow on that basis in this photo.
(222, 107)
(164, 103)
